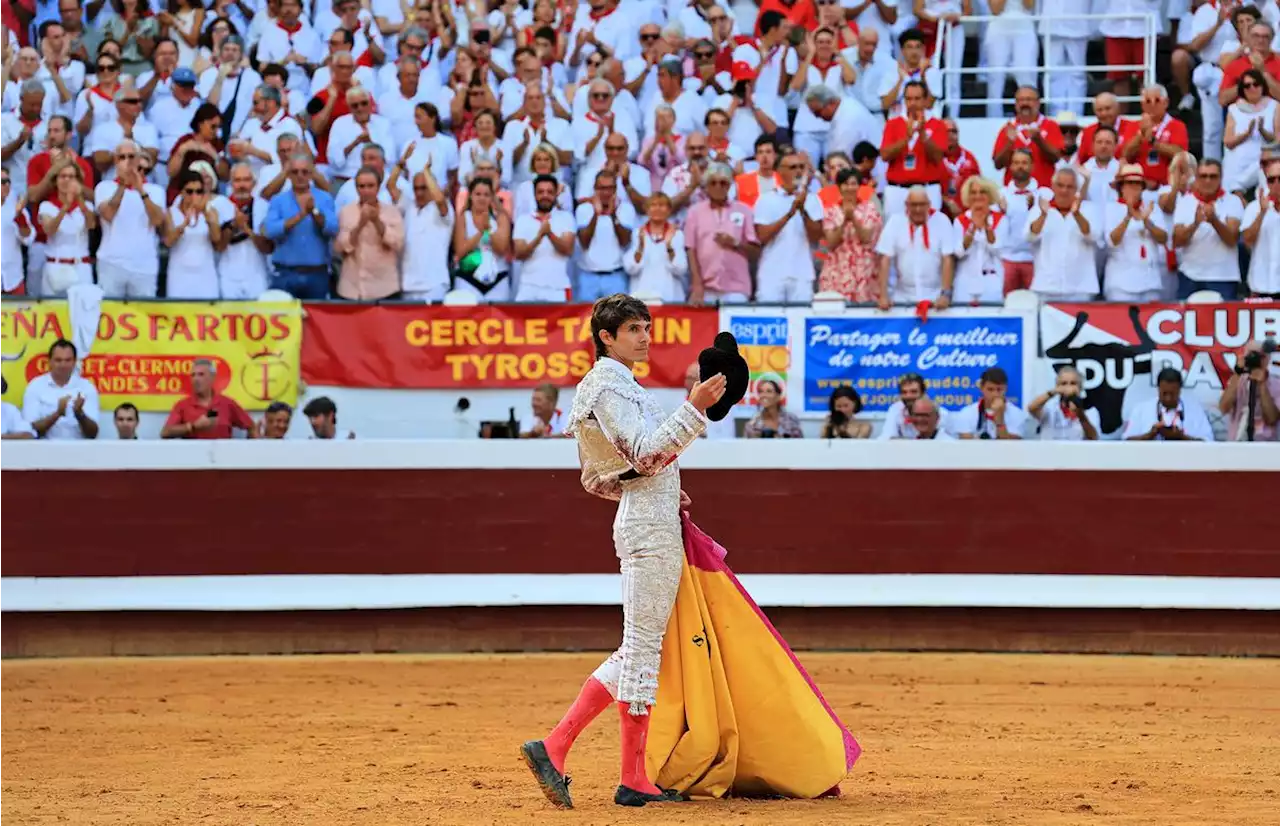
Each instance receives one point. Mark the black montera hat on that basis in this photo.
(723, 357)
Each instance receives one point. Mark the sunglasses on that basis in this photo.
(300, 172)
(133, 101)
(648, 36)
(193, 191)
(1271, 179)
(704, 55)
(1252, 85)
(360, 104)
(108, 67)
(124, 156)
(420, 187)
(600, 95)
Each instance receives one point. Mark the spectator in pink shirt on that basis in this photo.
(370, 237)
(662, 151)
(721, 237)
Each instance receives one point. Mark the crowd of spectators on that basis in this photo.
(685, 150)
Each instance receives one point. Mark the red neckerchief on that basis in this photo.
(163, 76)
(1067, 412)
(591, 116)
(597, 16)
(966, 219)
(291, 31)
(721, 145)
(535, 125)
(97, 90)
(662, 237)
(1202, 199)
(30, 124)
(1022, 191)
(1063, 212)
(541, 217)
(240, 202)
(924, 226)
(1177, 414)
(821, 65)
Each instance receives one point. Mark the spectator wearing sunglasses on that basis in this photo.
(132, 213)
(1206, 228)
(1261, 234)
(129, 124)
(96, 105)
(192, 234)
(1251, 123)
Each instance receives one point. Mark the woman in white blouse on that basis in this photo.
(1061, 412)
(1134, 238)
(1251, 124)
(656, 260)
(66, 219)
(193, 235)
(484, 145)
(979, 268)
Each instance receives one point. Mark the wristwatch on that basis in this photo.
(945, 293)
(315, 213)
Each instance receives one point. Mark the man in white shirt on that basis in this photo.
(59, 73)
(24, 133)
(1206, 227)
(129, 124)
(1261, 234)
(131, 211)
(927, 422)
(12, 425)
(1100, 169)
(543, 243)
(171, 115)
(1064, 233)
(428, 231)
(1020, 197)
(590, 131)
(788, 222)
(850, 123)
(872, 64)
(230, 86)
(897, 419)
(350, 132)
(61, 404)
(257, 141)
(992, 416)
(1170, 417)
(521, 137)
(605, 223)
(920, 245)
(291, 42)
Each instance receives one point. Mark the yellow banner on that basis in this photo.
(144, 350)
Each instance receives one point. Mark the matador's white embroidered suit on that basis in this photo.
(628, 447)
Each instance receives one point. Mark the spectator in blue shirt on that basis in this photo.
(302, 221)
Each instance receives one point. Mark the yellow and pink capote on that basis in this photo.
(736, 712)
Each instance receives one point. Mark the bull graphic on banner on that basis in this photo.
(1119, 349)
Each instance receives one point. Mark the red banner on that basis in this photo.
(429, 346)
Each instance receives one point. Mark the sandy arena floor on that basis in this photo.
(954, 739)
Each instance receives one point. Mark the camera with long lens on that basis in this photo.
(1252, 361)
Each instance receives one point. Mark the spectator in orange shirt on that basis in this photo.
(801, 13)
(1032, 131)
(206, 414)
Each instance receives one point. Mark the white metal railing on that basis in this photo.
(1043, 69)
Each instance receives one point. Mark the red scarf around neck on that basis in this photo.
(925, 227)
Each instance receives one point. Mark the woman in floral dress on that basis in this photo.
(852, 227)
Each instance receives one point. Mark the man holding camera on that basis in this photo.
(1170, 418)
(1251, 398)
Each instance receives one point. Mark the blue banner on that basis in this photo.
(764, 342)
(871, 353)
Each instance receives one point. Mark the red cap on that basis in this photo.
(742, 71)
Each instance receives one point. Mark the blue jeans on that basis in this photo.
(594, 285)
(301, 284)
(1226, 289)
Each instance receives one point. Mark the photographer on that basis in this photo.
(1251, 397)
(844, 404)
(1067, 420)
(1170, 418)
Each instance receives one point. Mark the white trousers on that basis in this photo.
(1003, 52)
(1126, 297)
(121, 282)
(1064, 85)
(650, 579)
(1207, 78)
(953, 58)
(779, 288)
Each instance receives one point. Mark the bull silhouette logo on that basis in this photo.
(5, 359)
(1107, 369)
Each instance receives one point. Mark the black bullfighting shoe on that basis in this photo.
(555, 786)
(627, 796)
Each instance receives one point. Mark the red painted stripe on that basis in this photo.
(123, 523)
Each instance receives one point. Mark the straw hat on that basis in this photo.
(1129, 173)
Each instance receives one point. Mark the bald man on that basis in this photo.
(1107, 108)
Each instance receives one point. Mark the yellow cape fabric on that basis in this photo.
(734, 713)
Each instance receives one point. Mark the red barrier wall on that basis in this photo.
(121, 523)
